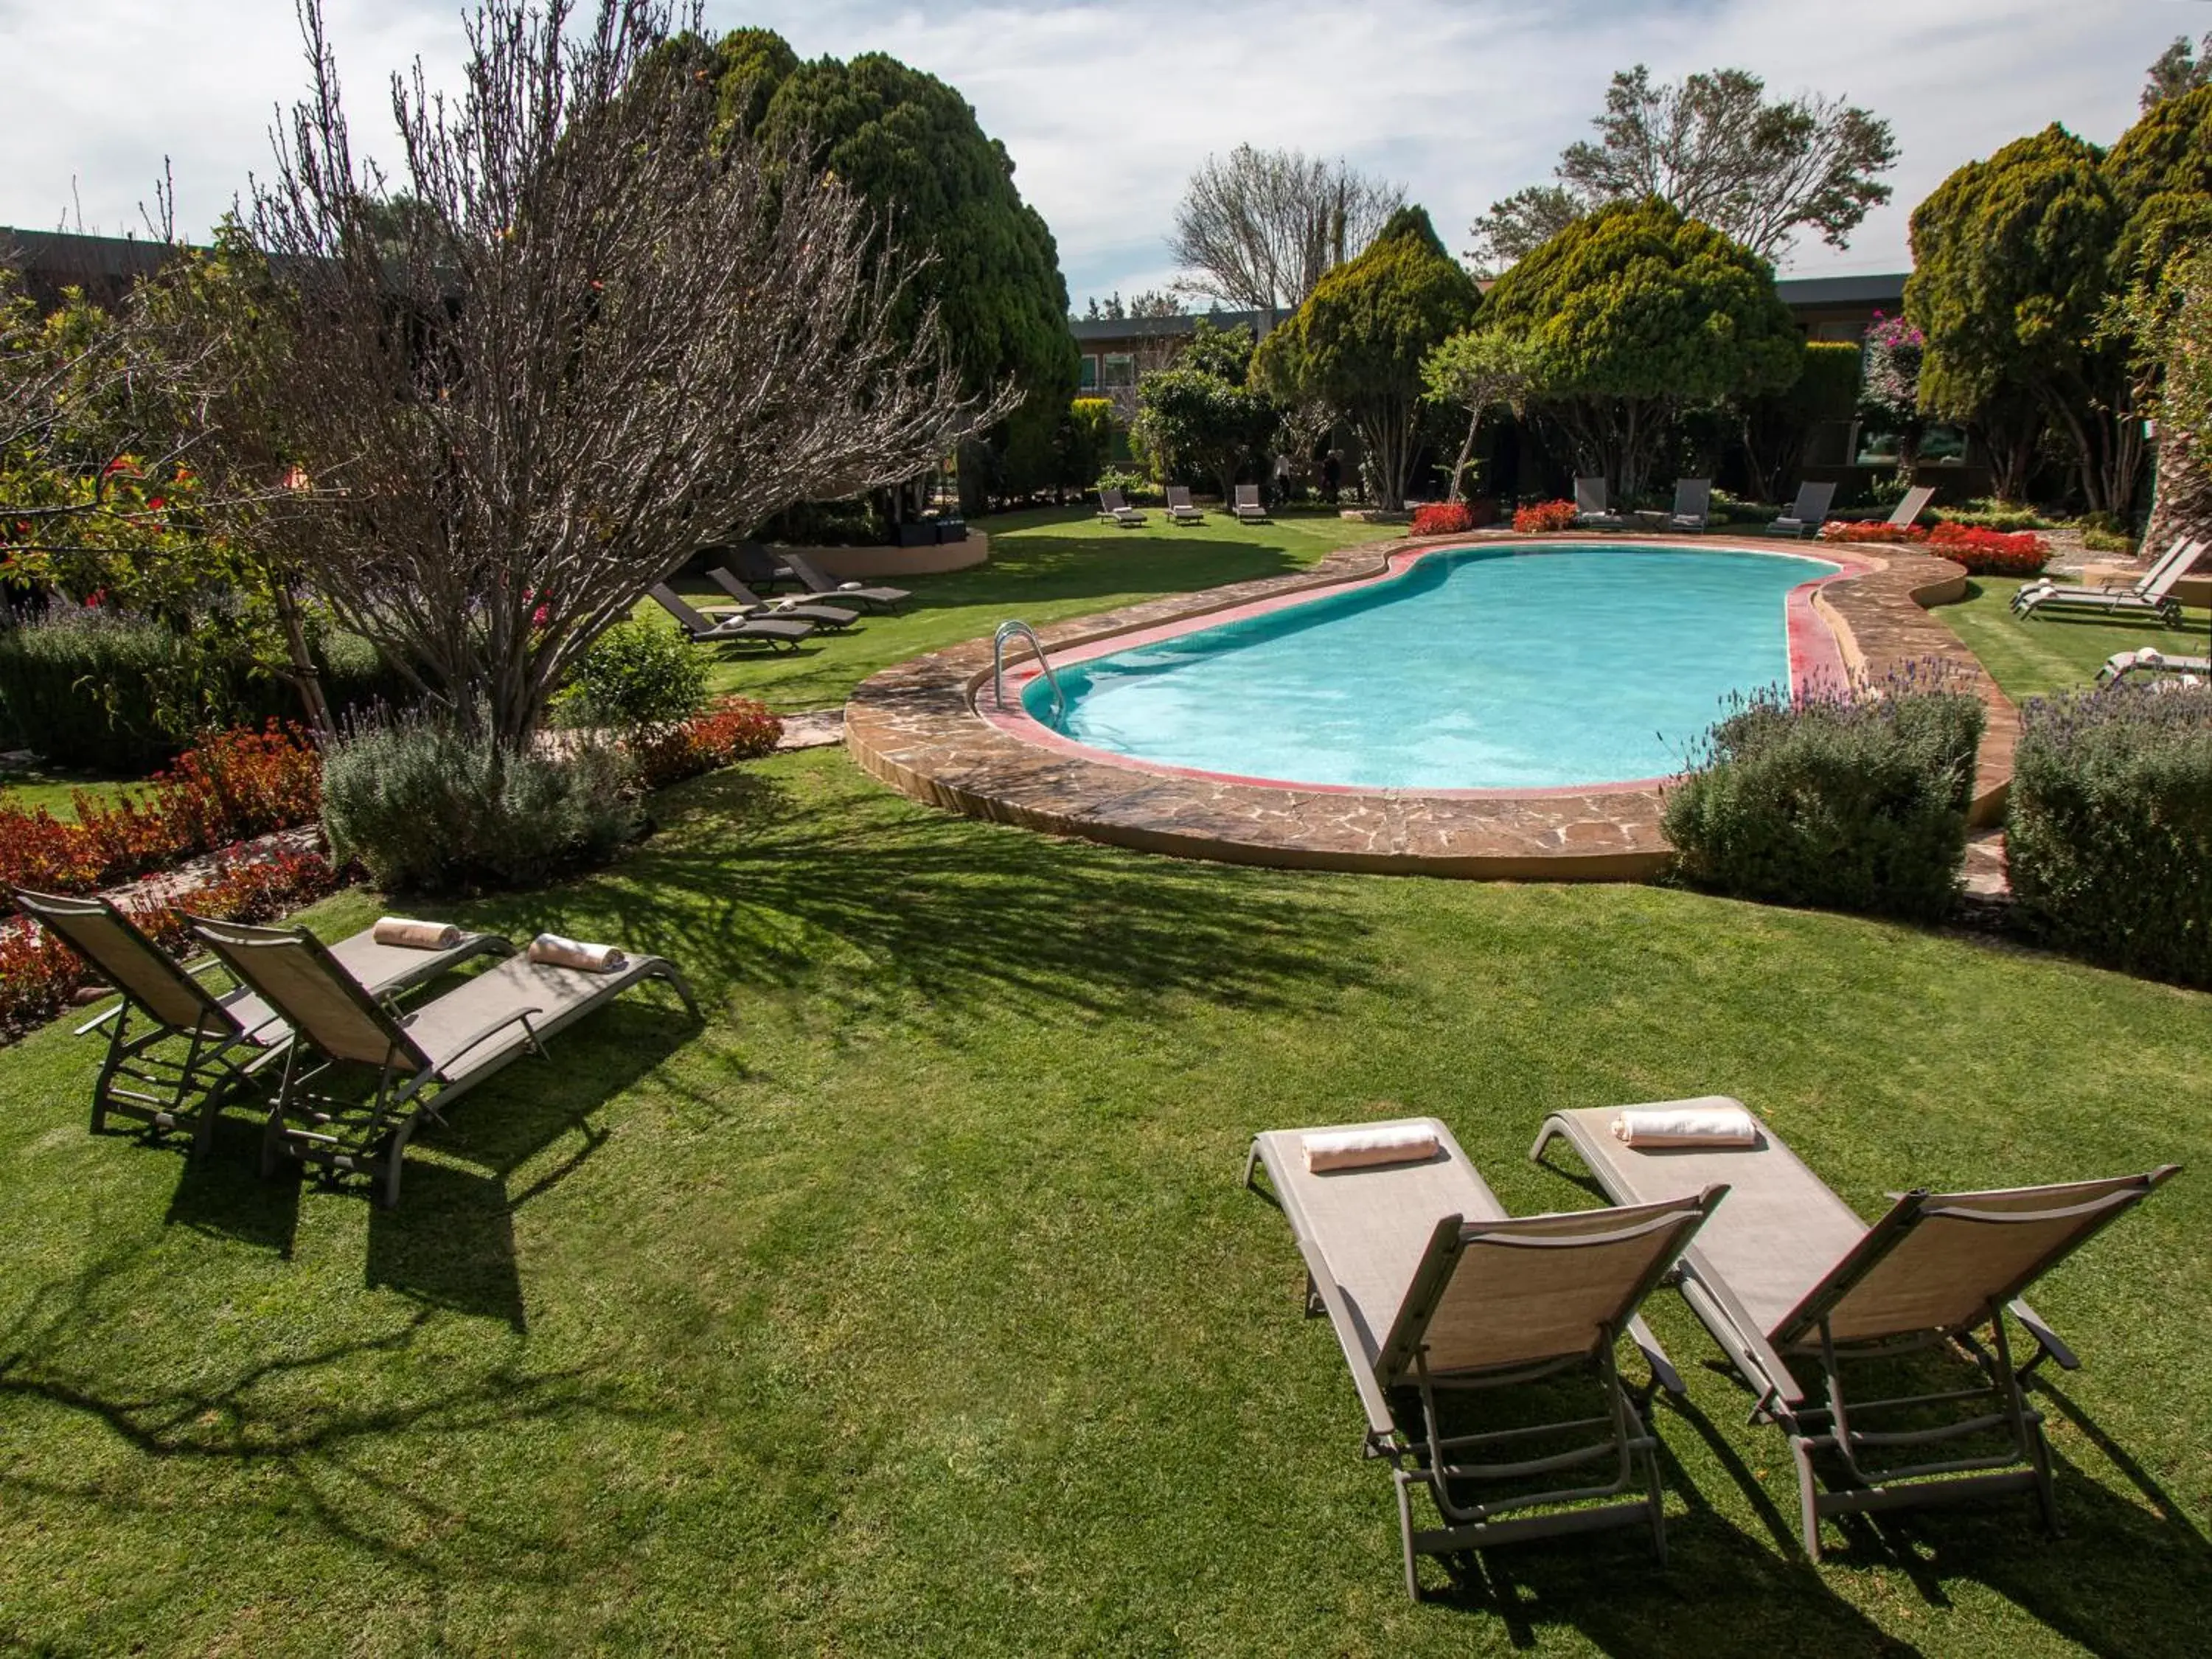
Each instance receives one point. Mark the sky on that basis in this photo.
(1106, 108)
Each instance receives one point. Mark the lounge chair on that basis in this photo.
(1114, 508)
(759, 569)
(226, 1037)
(868, 599)
(1430, 1288)
(2150, 594)
(2121, 664)
(1914, 504)
(835, 617)
(1694, 504)
(1809, 513)
(1181, 508)
(776, 635)
(1791, 1283)
(1249, 508)
(421, 1062)
(1591, 511)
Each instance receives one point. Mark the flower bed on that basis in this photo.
(1983, 552)
(1544, 518)
(1442, 519)
(235, 786)
(728, 730)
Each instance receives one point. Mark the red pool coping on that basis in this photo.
(919, 727)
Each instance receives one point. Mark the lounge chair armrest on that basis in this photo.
(100, 1019)
(1662, 1369)
(2047, 1345)
(491, 1028)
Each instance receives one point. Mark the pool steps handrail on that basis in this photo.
(1014, 629)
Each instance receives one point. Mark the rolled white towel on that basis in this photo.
(558, 952)
(1686, 1126)
(1361, 1149)
(413, 935)
(2150, 656)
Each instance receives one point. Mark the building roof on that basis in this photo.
(1887, 288)
(50, 260)
(1154, 328)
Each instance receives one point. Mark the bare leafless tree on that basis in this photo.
(1258, 228)
(599, 338)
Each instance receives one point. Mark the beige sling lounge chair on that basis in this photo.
(1433, 1290)
(1914, 504)
(1794, 1285)
(226, 1037)
(421, 1061)
(1694, 504)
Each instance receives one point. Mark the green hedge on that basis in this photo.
(1846, 804)
(2109, 833)
(122, 695)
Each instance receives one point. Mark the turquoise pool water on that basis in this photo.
(1480, 668)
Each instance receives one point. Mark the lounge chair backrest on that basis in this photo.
(1178, 495)
(754, 562)
(2163, 578)
(138, 968)
(726, 579)
(1948, 1261)
(1589, 496)
(680, 608)
(1693, 497)
(1813, 500)
(1914, 504)
(297, 976)
(1490, 1295)
(810, 577)
(1248, 494)
(1110, 501)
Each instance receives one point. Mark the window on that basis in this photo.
(1121, 369)
(1087, 377)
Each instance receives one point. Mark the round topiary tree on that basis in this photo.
(2012, 279)
(1357, 343)
(911, 146)
(1635, 314)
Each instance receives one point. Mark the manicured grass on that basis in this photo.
(1044, 565)
(912, 1305)
(2032, 657)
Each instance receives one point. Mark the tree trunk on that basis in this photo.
(305, 675)
(2181, 493)
(1458, 491)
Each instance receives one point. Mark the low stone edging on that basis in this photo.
(915, 728)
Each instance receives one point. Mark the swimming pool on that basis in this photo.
(1474, 668)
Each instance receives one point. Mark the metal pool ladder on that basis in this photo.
(1015, 629)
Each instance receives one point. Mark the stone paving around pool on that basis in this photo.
(915, 727)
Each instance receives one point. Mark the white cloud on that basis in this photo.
(1105, 108)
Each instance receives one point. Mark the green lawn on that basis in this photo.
(912, 1305)
(2030, 656)
(1044, 565)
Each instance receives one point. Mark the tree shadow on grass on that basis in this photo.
(751, 884)
(223, 1195)
(334, 1460)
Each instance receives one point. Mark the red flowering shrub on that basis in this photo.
(235, 785)
(728, 730)
(1990, 552)
(1544, 517)
(1848, 530)
(1442, 519)
(38, 974)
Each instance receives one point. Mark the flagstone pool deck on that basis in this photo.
(917, 727)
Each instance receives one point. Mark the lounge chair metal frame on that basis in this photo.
(1400, 1392)
(1832, 1421)
(411, 1086)
(141, 1077)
